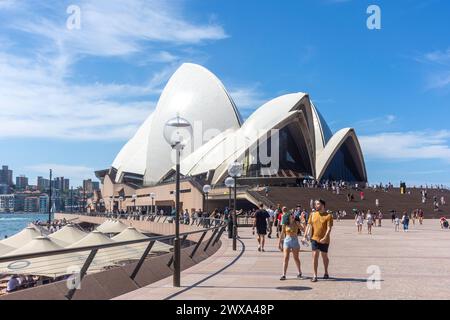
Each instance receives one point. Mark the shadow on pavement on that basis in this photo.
(294, 288)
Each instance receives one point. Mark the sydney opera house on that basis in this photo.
(284, 141)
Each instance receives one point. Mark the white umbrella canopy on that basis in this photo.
(21, 238)
(104, 257)
(132, 233)
(4, 249)
(67, 235)
(112, 226)
(38, 244)
(92, 239)
(63, 264)
(129, 234)
(49, 266)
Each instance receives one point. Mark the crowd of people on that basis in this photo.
(314, 227)
(51, 227)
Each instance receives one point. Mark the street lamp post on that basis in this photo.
(134, 197)
(152, 196)
(229, 183)
(235, 171)
(120, 203)
(50, 200)
(110, 204)
(206, 190)
(176, 133)
(102, 205)
(71, 199)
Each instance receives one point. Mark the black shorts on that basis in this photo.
(322, 247)
(261, 230)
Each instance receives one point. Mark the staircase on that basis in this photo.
(261, 198)
(392, 200)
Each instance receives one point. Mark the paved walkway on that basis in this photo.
(413, 265)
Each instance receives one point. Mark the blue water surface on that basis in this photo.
(11, 223)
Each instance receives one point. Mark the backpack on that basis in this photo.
(285, 219)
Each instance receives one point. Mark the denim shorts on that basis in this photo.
(291, 243)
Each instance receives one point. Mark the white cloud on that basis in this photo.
(441, 57)
(384, 120)
(37, 102)
(116, 28)
(431, 145)
(439, 80)
(247, 97)
(438, 77)
(7, 4)
(38, 98)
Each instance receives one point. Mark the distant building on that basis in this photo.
(21, 182)
(7, 203)
(61, 184)
(31, 204)
(4, 189)
(6, 176)
(90, 186)
(43, 184)
(19, 203)
(32, 188)
(95, 185)
(43, 203)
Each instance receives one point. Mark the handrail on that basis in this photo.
(219, 225)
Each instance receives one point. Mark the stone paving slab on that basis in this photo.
(413, 265)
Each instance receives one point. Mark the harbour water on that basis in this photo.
(11, 223)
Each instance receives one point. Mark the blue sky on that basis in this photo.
(70, 99)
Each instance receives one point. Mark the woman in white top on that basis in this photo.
(359, 221)
(369, 218)
(397, 223)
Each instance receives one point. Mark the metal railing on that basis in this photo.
(216, 226)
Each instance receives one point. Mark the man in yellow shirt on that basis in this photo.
(319, 227)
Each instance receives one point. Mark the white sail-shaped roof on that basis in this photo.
(321, 130)
(231, 145)
(197, 95)
(133, 156)
(332, 147)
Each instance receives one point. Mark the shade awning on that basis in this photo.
(21, 238)
(68, 235)
(112, 226)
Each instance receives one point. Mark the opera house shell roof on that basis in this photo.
(305, 146)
